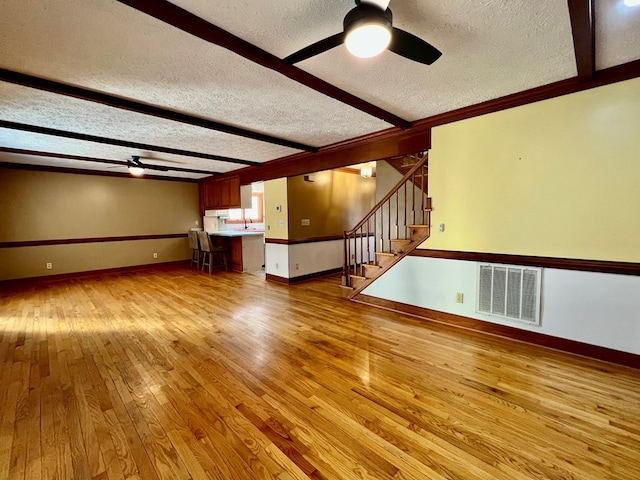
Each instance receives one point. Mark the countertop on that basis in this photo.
(237, 233)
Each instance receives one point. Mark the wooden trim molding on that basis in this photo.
(139, 107)
(100, 173)
(582, 13)
(302, 278)
(121, 163)
(276, 241)
(121, 143)
(71, 241)
(277, 279)
(599, 266)
(570, 346)
(394, 142)
(194, 25)
(600, 78)
(296, 241)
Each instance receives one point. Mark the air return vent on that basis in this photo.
(510, 292)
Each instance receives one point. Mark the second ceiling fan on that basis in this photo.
(368, 30)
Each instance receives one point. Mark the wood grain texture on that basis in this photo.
(171, 373)
(602, 266)
(70, 241)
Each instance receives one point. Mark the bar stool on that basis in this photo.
(208, 250)
(195, 249)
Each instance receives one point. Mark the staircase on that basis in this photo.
(393, 228)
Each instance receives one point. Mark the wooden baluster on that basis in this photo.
(368, 244)
(422, 193)
(405, 210)
(413, 197)
(389, 223)
(397, 213)
(345, 251)
(355, 255)
(361, 252)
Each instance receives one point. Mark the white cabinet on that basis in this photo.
(245, 196)
(252, 253)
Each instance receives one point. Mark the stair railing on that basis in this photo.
(404, 205)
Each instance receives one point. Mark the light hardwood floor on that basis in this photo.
(175, 374)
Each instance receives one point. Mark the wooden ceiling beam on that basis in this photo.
(583, 29)
(139, 107)
(121, 143)
(99, 173)
(121, 163)
(188, 22)
(394, 142)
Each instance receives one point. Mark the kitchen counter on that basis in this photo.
(236, 233)
(245, 248)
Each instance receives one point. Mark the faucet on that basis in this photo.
(246, 227)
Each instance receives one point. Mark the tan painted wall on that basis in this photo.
(335, 201)
(558, 178)
(276, 208)
(52, 206)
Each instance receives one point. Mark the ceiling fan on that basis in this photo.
(368, 30)
(136, 167)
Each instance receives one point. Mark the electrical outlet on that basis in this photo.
(155, 255)
(297, 266)
(49, 265)
(459, 297)
(305, 222)
(277, 265)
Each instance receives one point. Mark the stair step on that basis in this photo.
(417, 226)
(400, 245)
(385, 258)
(346, 291)
(358, 281)
(372, 266)
(373, 271)
(419, 233)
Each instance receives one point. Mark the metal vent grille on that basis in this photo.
(510, 292)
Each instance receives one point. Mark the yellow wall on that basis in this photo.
(276, 219)
(558, 178)
(53, 206)
(333, 202)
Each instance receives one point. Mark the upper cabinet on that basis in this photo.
(220, 193)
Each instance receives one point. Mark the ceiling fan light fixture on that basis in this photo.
(136, 171)
(368, 40)
(367, 30)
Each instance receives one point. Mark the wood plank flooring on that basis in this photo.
(170, 373)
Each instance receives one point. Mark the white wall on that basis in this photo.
(309, 258)
(595, 308)
(299, 259)
(276, 259)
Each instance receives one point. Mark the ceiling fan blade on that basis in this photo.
(382, 4)
(315, 49)
(163, 160)
(414, 48)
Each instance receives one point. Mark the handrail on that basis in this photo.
(377, 224)
(391, 192)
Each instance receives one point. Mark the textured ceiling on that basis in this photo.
(491, 48)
